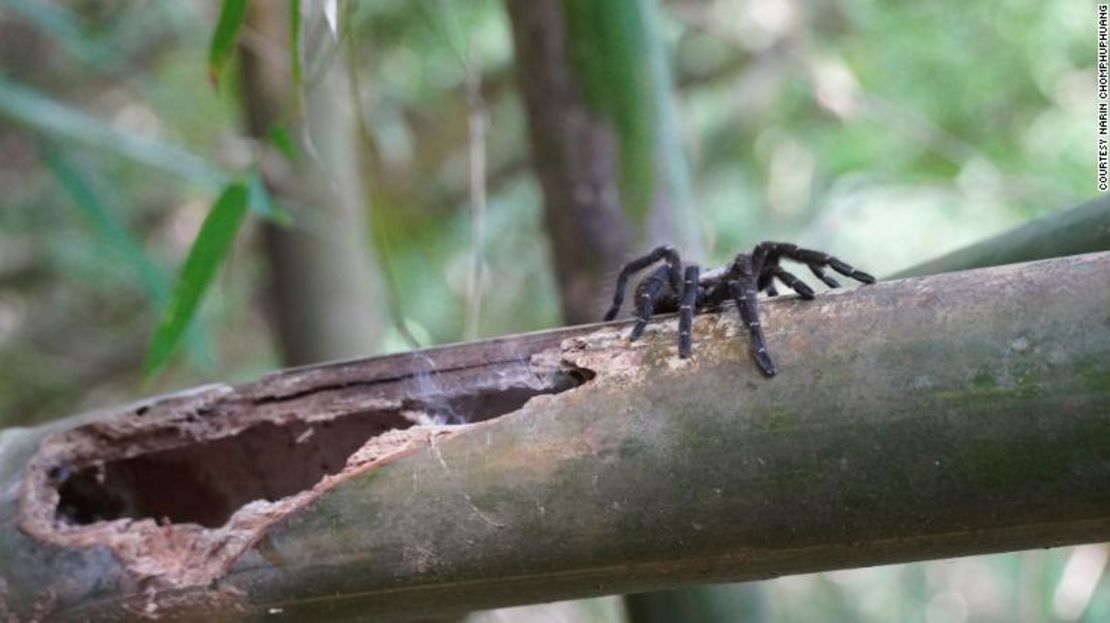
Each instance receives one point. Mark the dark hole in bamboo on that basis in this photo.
(208, 481)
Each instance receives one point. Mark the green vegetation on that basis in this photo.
(212, 244)
(224, 38)
(608, 50)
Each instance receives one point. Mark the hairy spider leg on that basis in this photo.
(763, 257)
(647, 293)
(764, 261)
(659, 253)
(848, 270)
(791, 281)
(766, 256)
(819, 272)
(686, 310)
(811, 258)
(742, 286)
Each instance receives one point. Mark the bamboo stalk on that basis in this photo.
(1082, 229)
(950, 415)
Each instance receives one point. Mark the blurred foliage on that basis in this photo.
(886, 133)
(224, 37)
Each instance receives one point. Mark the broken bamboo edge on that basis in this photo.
(958, 414)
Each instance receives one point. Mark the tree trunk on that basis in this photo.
(325, 289)
(950, 415)
(575, 157)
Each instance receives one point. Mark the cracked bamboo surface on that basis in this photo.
(950, 415)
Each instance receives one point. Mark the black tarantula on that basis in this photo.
(673, 287)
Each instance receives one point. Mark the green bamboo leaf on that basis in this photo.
(223, 40)
(208, 251)
(280, 139)
(295, 43)
(115, 236)
(106, 225)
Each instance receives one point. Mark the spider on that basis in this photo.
(674, 287)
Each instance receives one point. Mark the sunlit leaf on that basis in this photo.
(208, 251)
(222, 47)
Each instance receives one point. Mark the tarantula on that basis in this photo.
(674, 287)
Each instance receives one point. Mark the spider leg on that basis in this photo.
(659, 253)
(819, 272)
(847, 270)
(743, 289)
(766, 280)
(765, 264)
(811, 258)
(648, 291)
(763, 254)
(791, 281)
(686, 310)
